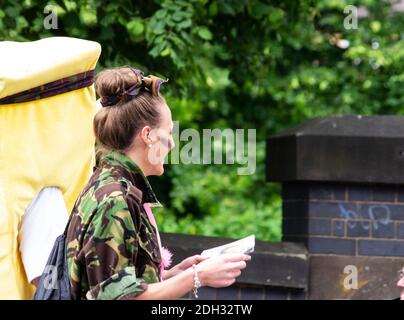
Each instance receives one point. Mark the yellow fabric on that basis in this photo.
(47, 142)
(26, 65)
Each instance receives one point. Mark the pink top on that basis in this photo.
(166, 255)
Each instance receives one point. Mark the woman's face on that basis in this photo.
(162, 142)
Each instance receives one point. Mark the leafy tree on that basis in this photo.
(266, 65)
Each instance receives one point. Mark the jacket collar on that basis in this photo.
(135, 174)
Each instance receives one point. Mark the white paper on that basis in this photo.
(245, 245)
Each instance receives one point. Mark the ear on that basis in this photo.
(145, 135)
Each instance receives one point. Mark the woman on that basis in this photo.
(113, 244)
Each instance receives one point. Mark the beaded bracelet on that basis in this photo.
(197, 283)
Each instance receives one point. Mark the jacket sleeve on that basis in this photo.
(109, 247)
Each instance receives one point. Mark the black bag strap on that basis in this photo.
(68, 224)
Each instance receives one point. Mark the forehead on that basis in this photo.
(166, 116)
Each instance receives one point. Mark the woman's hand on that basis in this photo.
(183, 265)
(216, 272)
(221, 271)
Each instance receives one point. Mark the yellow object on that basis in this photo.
(43, 143)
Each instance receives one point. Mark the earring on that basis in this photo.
(150, 145)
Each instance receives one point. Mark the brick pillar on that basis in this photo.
(343, 197)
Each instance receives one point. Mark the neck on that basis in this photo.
(138, 158)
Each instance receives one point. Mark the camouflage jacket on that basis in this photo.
(112, 249)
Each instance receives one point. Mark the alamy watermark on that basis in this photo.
(208, 148)
(351, 20)
(51, 20)
(351, 280)
(50, 277)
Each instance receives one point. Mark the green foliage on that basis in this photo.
(267, 65)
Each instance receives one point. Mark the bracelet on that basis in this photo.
(197, 283)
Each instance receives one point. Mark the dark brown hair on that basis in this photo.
(115, 126)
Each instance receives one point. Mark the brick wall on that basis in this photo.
(349, 219)
(343, 198)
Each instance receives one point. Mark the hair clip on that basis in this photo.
(150, 83)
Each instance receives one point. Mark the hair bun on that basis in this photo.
(115, 85)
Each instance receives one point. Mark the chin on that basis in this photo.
(161, 172)
(158, 170)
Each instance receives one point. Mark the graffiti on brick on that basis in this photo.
(377, 214)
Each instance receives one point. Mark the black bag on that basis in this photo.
(54, 283)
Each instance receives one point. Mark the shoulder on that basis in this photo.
(106, 217)
(106, 186)
(106, 193)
